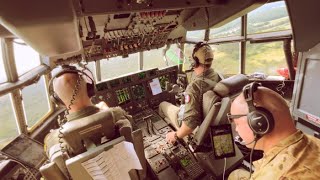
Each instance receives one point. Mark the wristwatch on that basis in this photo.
(176, 136)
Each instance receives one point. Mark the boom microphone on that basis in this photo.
(242, 142)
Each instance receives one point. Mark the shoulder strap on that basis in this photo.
(210, 82)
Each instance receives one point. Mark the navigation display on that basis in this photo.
(138, 91)
(155, 86)
(222, 141)
(163, 81)
(123, 96)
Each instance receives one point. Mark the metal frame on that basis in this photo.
(285, 36)
(12, 76)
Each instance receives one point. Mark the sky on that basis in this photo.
(26, 59)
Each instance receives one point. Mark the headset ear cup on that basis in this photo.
(261, 121)
(90, 90)
(55, 99)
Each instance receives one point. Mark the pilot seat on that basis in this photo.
(87, 134)
(216, 105)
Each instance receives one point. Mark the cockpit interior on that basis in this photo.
(93, 34)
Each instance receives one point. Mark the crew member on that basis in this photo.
(264, 122)
(74, 91)
(188, 116)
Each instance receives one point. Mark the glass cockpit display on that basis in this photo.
(123, 96)
(163, 81)
(138, 91)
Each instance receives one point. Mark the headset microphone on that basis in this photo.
(242, 142)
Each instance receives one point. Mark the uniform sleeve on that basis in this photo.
(192, 114)
(123, 121)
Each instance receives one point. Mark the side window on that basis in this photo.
(118, 66)
(25, 57)
(3, 76)
(230, 29)
(265, 58)
(35, 101)
(226, 58)
(268, 18)
(8, 128)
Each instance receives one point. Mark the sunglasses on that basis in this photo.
(232, 117)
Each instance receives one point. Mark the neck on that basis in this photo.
(79, 105)
(270, 140)
(199, 70)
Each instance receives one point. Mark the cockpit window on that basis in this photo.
(35, 101)
(3, 76)
(226, 58)
(154, 58)
(119, 66)
(159, 58)
(26, 58)
(232, 28)
(266, 58)
(8, 128)
(269, 17)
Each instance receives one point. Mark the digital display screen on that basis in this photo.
(222, 141)
(309, 101)
(155, 86)
(25, 150)
(138, 91)
(123, 96)
(163, 80)
(186, 161)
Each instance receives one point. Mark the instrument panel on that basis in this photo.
(114, 35)
(140, 94)
(167, 161)
(138, 91)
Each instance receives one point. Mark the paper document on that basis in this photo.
(114, 163)
(155, 86)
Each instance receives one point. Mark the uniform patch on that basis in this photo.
(186, 98)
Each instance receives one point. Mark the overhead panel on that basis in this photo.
(91, 7)
(49, 27)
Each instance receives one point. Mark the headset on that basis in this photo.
(260, 120)
(195, 62)
(70, 69)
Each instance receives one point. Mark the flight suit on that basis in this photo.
(190, 112)
(296, 157)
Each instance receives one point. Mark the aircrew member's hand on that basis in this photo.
(102, 105)
(171, 137)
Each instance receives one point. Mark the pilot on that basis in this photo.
(73, 92)
(189, 116)
(288, 153)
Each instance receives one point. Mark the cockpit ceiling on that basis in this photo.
(100, 29)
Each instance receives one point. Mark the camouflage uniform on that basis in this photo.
(296, 157)
(191, 112)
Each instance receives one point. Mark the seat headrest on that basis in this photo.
(231, 85)
(93, 126)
